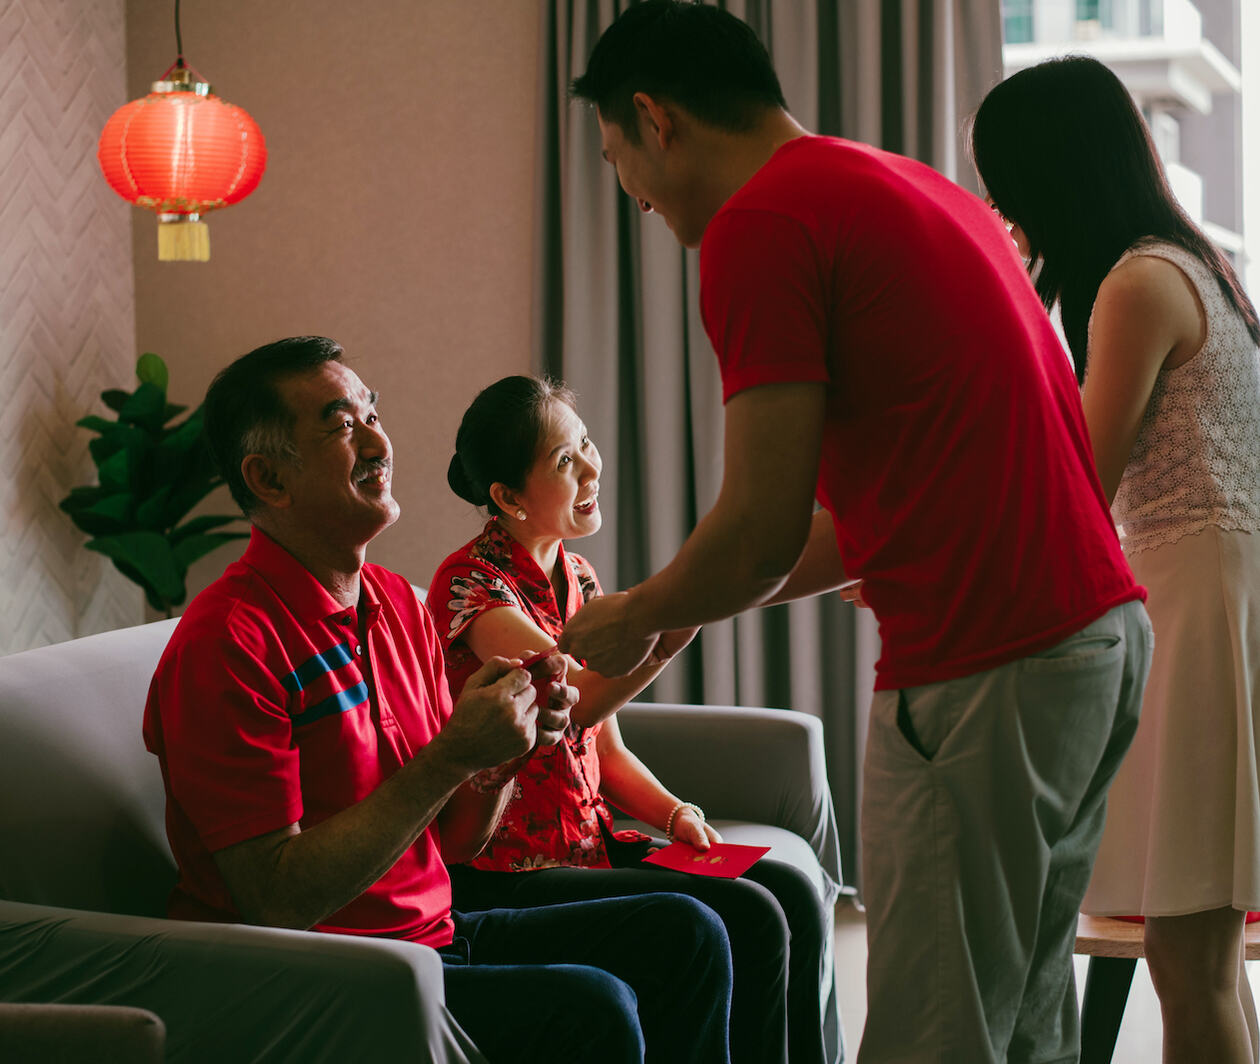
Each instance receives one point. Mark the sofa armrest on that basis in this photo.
(69, 1034)
(766, 766)
(236, 992)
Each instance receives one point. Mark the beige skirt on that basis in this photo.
(1183, 815)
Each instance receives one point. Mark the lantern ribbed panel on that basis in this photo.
(180, 153)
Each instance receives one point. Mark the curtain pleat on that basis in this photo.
(617, 317)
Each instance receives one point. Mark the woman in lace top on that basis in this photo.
(1165, 343)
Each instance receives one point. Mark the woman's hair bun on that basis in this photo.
(499, 435)
(457, 478)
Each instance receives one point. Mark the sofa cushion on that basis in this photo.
(80, 798)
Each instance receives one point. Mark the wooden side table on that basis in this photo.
(1113, 948)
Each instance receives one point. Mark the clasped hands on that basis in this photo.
(501, 718)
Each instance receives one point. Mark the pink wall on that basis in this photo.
(396, 215)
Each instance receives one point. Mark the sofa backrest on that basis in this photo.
(81, 801)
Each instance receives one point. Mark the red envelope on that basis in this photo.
(542, 678)
(726, 860)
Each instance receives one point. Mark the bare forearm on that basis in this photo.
(734, 560)
(631, 786)
(301, 877)
(743, 550)
(819, 567)
(602, 696)
(468, 820)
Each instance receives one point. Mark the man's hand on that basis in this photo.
(495, 717)
(601, 633)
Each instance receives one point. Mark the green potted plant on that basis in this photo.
(150, 474)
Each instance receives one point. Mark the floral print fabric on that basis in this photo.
(556, 815)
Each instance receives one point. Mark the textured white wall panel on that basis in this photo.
(67, 310)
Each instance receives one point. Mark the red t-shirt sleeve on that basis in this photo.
(235, 772)
(762, 300)
(462, 590)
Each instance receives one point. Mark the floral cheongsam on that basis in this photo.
(555, 814)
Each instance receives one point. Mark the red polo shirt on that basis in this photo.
(273, 705)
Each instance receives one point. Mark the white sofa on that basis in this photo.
(85, 870)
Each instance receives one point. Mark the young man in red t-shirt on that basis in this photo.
(883, 352)
(318, 774)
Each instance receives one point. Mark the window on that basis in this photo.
(1017, 21)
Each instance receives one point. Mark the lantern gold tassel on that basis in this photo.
(183, 241)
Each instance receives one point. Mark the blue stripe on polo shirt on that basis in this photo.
(329, 661)
(351, 698)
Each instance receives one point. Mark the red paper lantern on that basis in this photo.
(182, 152)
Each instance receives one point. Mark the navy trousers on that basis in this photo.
(774, 919)
(617, 980)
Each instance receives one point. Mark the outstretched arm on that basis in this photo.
(742, 551)
(819, 567)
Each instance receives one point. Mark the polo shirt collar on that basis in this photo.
(307, 599)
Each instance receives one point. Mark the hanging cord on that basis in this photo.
(179, 63)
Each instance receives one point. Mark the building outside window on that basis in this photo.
(1191, 68)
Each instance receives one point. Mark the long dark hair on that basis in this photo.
(1065, 154)
(499, 435)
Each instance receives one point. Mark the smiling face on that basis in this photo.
(342, 480)
(560, 498)
(653, 174)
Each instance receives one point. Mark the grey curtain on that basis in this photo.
(617, 317)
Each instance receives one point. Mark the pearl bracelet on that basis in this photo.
(669, 822)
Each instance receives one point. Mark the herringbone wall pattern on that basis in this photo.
(67, 313)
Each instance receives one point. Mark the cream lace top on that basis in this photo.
(1196, 459)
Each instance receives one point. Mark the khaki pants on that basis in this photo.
(983, 804)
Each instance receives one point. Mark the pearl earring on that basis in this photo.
(520, 515)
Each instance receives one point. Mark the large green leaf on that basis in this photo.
(82, 497)
(148, 554)
(117, 507)
(183, 461)
(193, 547)
(115, 471)
(97, 512)
(115, 398)
(118, 436)
(151, 513)
(97, 424)
(145, 407)
(185, 436)
(152, 370)
(202, 524)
